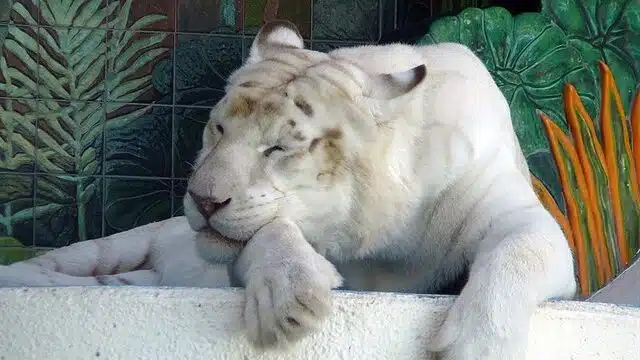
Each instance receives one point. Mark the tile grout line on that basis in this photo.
(58, 174)
(151, 31)
(381, 6)
(176, 13)
(186, 106)
(243, 50)
(103, 167)
(311, 37)
(36, 136)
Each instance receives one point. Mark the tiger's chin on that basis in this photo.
(217, 248)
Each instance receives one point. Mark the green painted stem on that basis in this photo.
(82, 211)
(8, 223)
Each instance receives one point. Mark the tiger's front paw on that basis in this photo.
(288, 287)
(285, 304)
(477, 328)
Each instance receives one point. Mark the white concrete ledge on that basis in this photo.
(175, 324)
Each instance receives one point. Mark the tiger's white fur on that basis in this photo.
(399, 171)
(400, 166)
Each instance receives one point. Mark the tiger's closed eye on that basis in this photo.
(270, 150)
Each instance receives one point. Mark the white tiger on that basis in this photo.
(384, 168)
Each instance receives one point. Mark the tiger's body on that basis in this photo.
(384, 168)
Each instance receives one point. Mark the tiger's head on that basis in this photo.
(298, 134)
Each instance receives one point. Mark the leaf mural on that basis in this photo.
(141, 150)
(607, 30)
(5, 15)
(16, 206)
(620, 165)
(78, 68)
(202, 67)
(17, 134)
(138, 202)
(543, 193)
(599, 179)
(355, 20)
(590, 271)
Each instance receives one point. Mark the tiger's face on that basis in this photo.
(286, 140)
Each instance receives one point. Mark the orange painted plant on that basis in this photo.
(599, 179)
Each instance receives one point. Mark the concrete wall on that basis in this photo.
(194, 324)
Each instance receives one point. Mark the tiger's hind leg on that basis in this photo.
(158, 254)
(29, 275)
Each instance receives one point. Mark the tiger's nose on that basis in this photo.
(208, 206)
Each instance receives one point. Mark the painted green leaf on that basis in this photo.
(592, 158)
(579, 213)
(17, 134)
(69, 208)
(126, 57)
(16, 206)
(530, 59)
(616, 140)
(11, 251)
(603, 29)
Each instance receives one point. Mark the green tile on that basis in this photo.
(20, 51)
(189, 123)
(16, 208)
(203, 64)
(139, 67)
(144, 15)
(355, 20)
(132, 202)
(17, 134)
(138, 140)
(86, 14)
(72, 63)
(257, 12)
(208, 16)
(68, 209)
(70, 137)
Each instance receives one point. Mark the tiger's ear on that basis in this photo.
(391, 86)
(277, 33)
